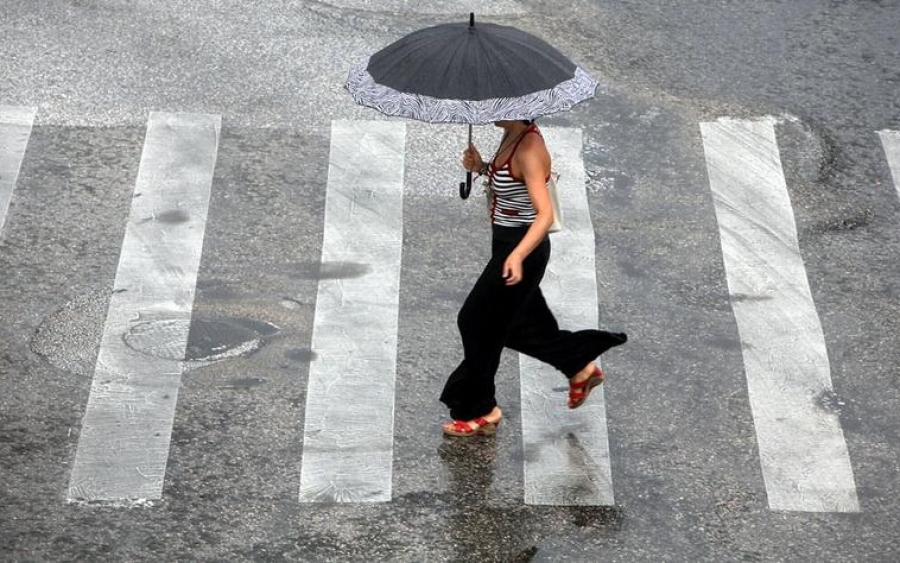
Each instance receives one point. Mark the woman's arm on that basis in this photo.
(533, 162)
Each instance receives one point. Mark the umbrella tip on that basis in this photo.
(471, 19)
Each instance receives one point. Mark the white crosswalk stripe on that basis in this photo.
(124, 443)
(566, 451)
(890, 140)
(348, 433)
(15, 130)
(804, 458)
(347, 453)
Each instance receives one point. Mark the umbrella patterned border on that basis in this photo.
(367, 92)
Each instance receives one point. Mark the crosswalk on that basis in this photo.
(891, 142)
(15, 129)
(567, 458)
(348, 435)
(349, 430)
(133, 395)
(804, 458)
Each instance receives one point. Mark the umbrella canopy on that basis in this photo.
(460, 73)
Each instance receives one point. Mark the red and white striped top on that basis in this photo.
(511, 205)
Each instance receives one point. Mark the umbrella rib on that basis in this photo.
(546, 52)
(403, 72)
(460, 47)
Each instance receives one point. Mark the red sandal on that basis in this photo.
(482, 427)
(578, 392)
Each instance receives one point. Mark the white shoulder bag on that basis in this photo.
(557, 224)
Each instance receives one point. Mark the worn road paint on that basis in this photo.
(349, 429)
(805, 463)
(890, 140)
(15, 130)
(566, 451)
(124, 443)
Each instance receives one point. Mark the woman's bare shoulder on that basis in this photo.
(533, 143)
(533, 147)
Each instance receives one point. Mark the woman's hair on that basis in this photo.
(527, 121)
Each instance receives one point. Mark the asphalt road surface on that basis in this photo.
(228, 295)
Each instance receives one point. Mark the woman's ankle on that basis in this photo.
(584, 373)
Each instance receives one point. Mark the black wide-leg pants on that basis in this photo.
(495, 316)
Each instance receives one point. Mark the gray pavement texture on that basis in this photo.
(686, 472)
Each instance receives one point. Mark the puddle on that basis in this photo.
(246, 383)
(332, 270)
(304, 355)
(830, 402)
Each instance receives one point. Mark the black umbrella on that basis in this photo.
(458, 73)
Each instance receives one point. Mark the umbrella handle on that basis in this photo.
(465, 188)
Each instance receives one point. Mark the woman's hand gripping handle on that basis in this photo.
(472, 160)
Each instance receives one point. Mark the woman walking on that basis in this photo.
(506, 308)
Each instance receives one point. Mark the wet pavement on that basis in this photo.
(683, 447)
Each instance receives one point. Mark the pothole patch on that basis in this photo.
(69, 337)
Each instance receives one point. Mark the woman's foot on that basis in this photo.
(482, 426)
(581, 384)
